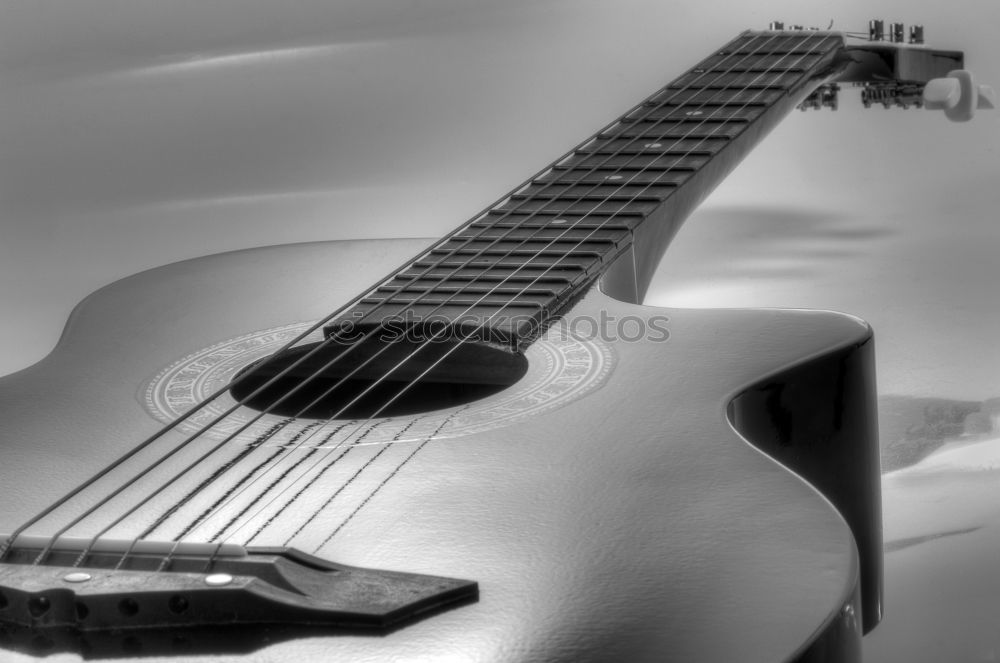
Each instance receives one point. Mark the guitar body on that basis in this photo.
(609, 512)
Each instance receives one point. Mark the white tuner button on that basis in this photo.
(942, 93)
(958, 95)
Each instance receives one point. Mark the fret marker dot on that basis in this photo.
(653, 145)
(693, 113)
(613, 177)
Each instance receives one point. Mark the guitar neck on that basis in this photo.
(622, 193)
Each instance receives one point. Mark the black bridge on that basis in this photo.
(163, 585)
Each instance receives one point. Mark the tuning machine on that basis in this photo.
(780, 25)
(903, 95)
(825, 96)
(958, 95)
(896, 34)
(876, 30)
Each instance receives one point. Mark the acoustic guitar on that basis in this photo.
(480, 449)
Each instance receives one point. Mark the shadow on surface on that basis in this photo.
(910, 428)
(899, 544)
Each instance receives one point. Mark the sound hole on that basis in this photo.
(376, 378)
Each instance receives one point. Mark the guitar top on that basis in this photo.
(482, 447)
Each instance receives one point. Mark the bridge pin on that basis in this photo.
(78, 576)
(218, 579)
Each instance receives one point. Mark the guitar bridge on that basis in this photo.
(203, 585)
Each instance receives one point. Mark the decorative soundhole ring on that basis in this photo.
(561, 369)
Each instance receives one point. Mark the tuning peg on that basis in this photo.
(876, 30)
(958, 95)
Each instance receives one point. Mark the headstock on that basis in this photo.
(894, 68)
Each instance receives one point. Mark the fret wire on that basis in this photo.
(478, 218)
(391, 400)
(389, 278)
(610, 156)
(555, 182)
(475, 220)
(13, 536)
(748, 101)
(637, 131)
(640, 106)
(501, 200)
(535, 212)
(4, 547)
(393, 472)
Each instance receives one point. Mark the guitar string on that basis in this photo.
(12, 537)
(5, 545)
(346, 483)
(633, 141)
(8, 542)
(601, 164)
(242, 428)
(526, 287)
(198, 461)
(710, 99)
(642, 170)
(382, 484)
(225, 467)
(257, 472)
(368, 431)
(212, 509)
(747, 103)
(212, 556)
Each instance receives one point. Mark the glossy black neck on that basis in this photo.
(617, 198)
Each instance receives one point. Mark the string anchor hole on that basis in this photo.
(38, 605)
(81, 611)
(178, 604)
(128, 607)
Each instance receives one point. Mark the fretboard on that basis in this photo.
(516, 266)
